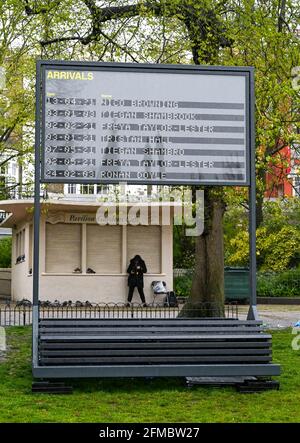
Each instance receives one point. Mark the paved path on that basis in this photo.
(275, 316)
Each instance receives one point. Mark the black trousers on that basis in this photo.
(141, 292)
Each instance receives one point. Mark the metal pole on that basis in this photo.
(252, 314)
(36, 221)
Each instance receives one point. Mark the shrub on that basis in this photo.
(5, 252)
(183, 248)
(183, 285)
(269, 284)
(284, 284)
(278, 250)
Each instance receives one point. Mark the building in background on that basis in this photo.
(283, 176)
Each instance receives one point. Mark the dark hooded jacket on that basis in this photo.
(136, 270)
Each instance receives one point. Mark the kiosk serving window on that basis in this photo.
(83, 248)
(63, 247)
(145, 241)
(104, 248)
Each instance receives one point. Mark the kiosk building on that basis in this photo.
(83, 260)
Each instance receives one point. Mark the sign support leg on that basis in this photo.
(253, 313)
(36, 226)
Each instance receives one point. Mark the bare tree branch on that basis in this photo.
(18, 154)
(39, 10)
(113, 42)
(103, 15)
(281, 15)
(83, 40)
(7, 132)
(201, 25)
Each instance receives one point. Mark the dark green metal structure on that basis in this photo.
(162, 347)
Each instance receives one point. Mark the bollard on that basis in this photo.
(2, 339)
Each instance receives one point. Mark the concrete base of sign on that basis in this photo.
(216, 381)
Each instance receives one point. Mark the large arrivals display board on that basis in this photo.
(158, 124)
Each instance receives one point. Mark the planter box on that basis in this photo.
(236, 284)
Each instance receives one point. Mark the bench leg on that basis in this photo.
(257, 385)
(242, 384)
(47, 387)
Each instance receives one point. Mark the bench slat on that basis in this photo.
(149, 352)
(186, 337)
(154, 359)
(152, 330)
(159, 345)
(146, 322)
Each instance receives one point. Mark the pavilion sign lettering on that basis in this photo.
(72, 218)
(80, 218)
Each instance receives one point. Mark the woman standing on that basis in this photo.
(136, 270)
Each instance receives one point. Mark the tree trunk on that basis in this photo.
(259, 210)
(20, 167)
(262, 178)
(207, 295)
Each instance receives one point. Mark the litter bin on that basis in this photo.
(236, 284)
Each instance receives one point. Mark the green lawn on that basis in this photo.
(139, 400)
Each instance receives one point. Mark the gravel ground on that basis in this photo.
(275, 316)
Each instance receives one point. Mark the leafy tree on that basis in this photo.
(265, 35)
(16, 85)
(231, 32)
(200, 27)
(278, 238)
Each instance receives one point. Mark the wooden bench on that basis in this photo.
(157, 347)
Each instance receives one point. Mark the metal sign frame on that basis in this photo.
(142, 68)
(250, 182)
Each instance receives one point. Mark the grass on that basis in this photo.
(140, 400)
